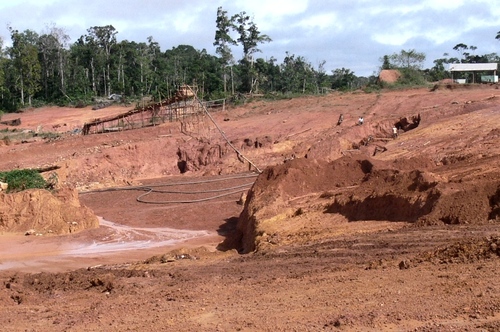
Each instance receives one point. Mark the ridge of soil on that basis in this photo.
(347, 228)
(39, 212)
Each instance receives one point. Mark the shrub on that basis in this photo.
(411, 77)
(22, 179)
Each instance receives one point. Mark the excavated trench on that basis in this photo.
(390, 207)
(193, 157)
(389, 195)
(448, 203)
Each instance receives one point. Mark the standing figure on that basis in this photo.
(341, 119)
(394, 132)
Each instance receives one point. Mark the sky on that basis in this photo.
(351, 34)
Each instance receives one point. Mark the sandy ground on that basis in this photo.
(156, 265)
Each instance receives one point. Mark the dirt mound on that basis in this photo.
(276, 186)
(389, 76)
(466, 251)
(446, 81)
(448, 84)
(37, 211)
(363, 189)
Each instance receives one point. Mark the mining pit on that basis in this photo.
(295, 222)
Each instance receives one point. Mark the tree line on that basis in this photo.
(45, 68)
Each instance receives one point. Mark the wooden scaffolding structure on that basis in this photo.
(183, 104)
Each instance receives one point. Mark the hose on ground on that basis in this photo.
(150, 189)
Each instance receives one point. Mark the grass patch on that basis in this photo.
(22, 179)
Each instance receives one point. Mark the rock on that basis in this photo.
(30, 232)
(3, 186)
(404, 265)
(242, 199)
(274, 238)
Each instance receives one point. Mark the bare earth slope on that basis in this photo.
(346, 228)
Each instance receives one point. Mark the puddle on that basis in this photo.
(132, 238)
(45, 255)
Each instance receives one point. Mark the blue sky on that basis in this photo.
(352, 34)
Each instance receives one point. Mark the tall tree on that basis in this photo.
(223, 41)
(81, 83)
(492, 57)
(2, 71)
(62, 39)
(249, 37)
(24, 53)
(343, 79)
(103, 39)
(52, 47)
(462, 48)
(144, 59)
(439, 72)
(322, 79)
(410, 59)
(155, 64)
(86, 62)
(386, 62)
(267, 74)
(47, 47)
(296, 75)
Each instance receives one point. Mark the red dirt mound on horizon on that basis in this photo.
(389, 75)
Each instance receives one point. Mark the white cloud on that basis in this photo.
(394, 39)
(321, 21)
(443, 4)
(346, 33)
(404, 8)
(271, 8)
(183, 23)
(269, 14)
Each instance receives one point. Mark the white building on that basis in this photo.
(475, 68)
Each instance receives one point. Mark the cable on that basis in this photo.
(222, 132)
(169, 184)
(150, 189)
(139, 198)
(201, 192)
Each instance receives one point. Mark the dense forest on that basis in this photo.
(41, 69)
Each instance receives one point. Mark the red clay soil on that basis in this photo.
(389, 75)
(347, 228)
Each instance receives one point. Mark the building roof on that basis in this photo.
(473, 66)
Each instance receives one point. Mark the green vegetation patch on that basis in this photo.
(22, 179)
